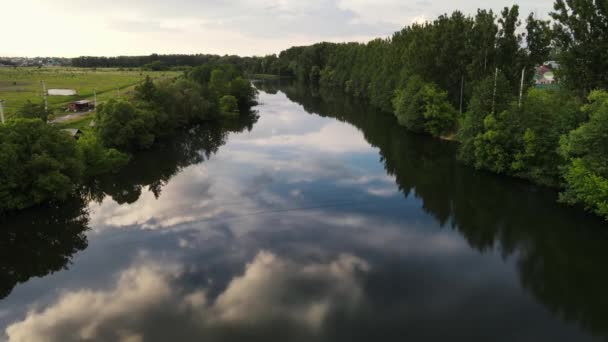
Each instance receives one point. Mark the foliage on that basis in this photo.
(38, 163)
(121, 125)
(586, 148)
(30, 110)
(245, 94)
(96, 159)
(229, 105)
(423, 108)
(581, 36)
(546, 115)
(521, 141)
(484, 102)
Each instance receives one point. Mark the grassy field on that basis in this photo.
(22, 84)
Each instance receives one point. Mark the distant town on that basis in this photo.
(34, 61)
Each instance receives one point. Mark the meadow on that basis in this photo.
(17, 85)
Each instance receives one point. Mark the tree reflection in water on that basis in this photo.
(41, 241)
(559, 250)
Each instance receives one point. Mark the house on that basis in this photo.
(81, 106)
(544, 76)
(73, 132)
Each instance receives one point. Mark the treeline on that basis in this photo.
(472, 77)
(40, 163)
(157, 62)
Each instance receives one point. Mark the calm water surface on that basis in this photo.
(321, 220)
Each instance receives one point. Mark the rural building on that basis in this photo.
(81, 106)
(74, 133)
(544, 76)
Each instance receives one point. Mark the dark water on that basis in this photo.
(322, 220)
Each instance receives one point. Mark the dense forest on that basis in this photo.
(471, 78)
(40, 163)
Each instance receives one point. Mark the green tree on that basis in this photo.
(229, 105)
(147, 91)
(581, 35)
(424, 108)
(439, 115)
(546, 115)
(96, 159)
(245, 94)
(586, 148)
(509, 54)
(538, 39)
(408, 104)
(30, 110)
(38, 163)
(484, 102)
(121, 125)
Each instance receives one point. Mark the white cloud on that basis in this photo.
(246, 27)
(269, 291)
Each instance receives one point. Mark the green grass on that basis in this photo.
(22, 84)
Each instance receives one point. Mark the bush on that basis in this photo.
(38, 163)
(424, 108)
(31, 110)
(121, 125)
(96, 159)
(586, 148)
(229, 105)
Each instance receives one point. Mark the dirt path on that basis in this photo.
(70, 117)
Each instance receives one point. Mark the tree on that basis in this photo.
(121, 125)
(229, 105)
(38, 163)
(509, 55)
(146, 91)
(485, 101)
(96, 159)
(439, 115)
(30, 110)
(424, 108)
(586, 148)
(545, 116)
(408, 104)
(538, 39)
(244, 93)
(581, 36)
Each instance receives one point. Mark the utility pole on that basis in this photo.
(521, 87)
(461, 92)
(2, 111)
(494, 95)
(46, 105)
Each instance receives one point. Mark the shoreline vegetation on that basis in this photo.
(471, 79)
(40, 163)
(465, 78)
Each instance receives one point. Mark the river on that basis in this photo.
(319, 219)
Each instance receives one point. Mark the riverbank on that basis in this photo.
(322, 200)
(123, 127)
(540, 141)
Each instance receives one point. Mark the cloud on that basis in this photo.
(140, 26)
(83, 314)
(271, 290)
(243, 27)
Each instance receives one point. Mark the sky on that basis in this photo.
(71, 28)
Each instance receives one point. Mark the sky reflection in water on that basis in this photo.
(293, 231)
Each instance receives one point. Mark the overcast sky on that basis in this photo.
(244, 27)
